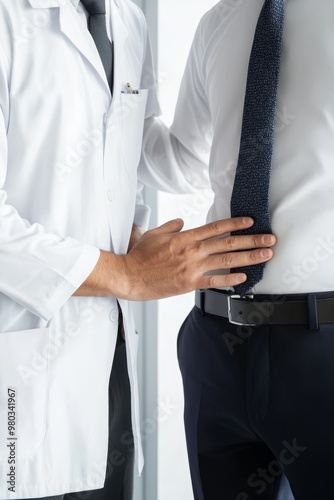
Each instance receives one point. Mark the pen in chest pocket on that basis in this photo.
(129, 89)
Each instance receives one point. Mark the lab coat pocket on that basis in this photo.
(132, 117)
(23, 389)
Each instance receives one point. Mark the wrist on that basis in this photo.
(117, 276)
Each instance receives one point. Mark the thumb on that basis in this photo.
(172, 226)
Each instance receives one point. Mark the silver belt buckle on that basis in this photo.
(229, 310)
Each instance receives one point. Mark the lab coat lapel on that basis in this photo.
(71, 26)
(119, 34)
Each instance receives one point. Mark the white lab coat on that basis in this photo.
(68, 183)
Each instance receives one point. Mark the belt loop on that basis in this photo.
(202, 301)
(312, 312)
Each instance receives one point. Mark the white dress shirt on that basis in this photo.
(208, 121)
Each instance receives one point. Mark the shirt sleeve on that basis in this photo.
(176, 159)
(38, 270)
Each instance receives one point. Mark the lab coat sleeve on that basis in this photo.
(38, 270)
(176, 159)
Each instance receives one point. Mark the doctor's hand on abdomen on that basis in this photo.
(167, 261)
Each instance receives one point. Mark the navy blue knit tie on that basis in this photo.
(250, 196)
(98, 29)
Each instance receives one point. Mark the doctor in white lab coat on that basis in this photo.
(68, 200)
(66, 170)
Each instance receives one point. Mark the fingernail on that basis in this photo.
(268, 239)
(266, 254)
(248, 220)
(241, 278)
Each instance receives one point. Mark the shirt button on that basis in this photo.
(111, 195)
(113, 316)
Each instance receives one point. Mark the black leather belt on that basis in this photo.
(266, 309)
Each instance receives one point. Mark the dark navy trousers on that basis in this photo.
(258, 402)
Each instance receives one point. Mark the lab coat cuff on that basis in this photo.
(83, 267)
